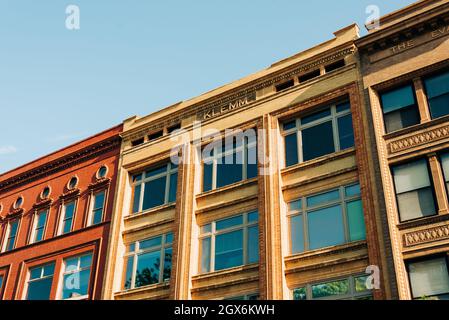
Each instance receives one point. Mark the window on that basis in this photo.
(334, 66)
(102, 172)
(148, 262)
(11, 235)
(429, 279)
(40, 282)
(445, 165)
(331, 126)
(155, 135)
(73, 183)
(76, 277)
(18, 204)
(230, 163)
(137, 142)
(414, 190)
(400, 108)
(173, 128)
(285, 85)
(230, 243)
(68, 213)
(98, 202)
(437, 88)
(39, 223)
(155, 187)
(45, 193)
(352, 288)
(309, 76)
(326, 219)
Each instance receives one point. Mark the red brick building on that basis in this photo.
(55, 216)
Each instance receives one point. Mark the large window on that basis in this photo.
(155, 187)
(327, 219)
(437, 88)
(76, 277)
(352, 288)
(148, 262)
(230, 242)
(429, 279)
(40, 220)
(414, 190)
(40, 282)
(445, 165)
(67, 217)
(400, 108)
(11, 235)
(98, 203)
(229, 163)
(331, 127)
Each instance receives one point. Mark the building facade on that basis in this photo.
(55, 216)
(283, 207)
(405, 69)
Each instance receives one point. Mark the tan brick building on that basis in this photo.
(405, 68)
(303, 223)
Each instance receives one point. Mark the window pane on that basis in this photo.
(229, 250)
(330, 289)
(299, 294)
(416, 204)
(99, 200)
(129, 272)
(154, 242)
(323, 198)
(295, 206)
(148, 267)
(169, 238)
(437, 85)
(229, 173)
(154, 193)
(402, 118)
(41, 220)
(156, 171)
(253, 217)
(356, 220)
(173, 187)
(345, 106)
(85, 261)
(205, 255)
(97, 216)
(67, 226)
(315, 116)
(397, 99)
(35, 273)
(39, 235)
(69, 210)
(346, 132)
(289, 125)
(429, 278)
(352, 190)
(1, 283)
(445, 165)
(253, 244)
(291, 149)
(76, 284)
(411, 176)
(167, 264)
(251, 167)
(136, 201)
(439, 106)
(39, 289)
(360, 284)
(326, 228)
(322, 133)
(229, 223)
(206, 229)
(207, 176)
(297, 234)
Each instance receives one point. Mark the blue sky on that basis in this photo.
(136, 56)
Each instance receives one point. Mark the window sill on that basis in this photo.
(228, 187)
(150, 211)
(151, 287)
(225, 272)
(416, 127)
(423, 221)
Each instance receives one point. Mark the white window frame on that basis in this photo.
(8, 235)
(62, 216)
(78, 270)
(94, 194)
(35, 222)
(28, 280)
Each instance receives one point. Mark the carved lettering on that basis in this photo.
(216, 111)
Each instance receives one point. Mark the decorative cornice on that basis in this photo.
(422, 138)
(70, 195)
(43, 204)
(425, 236)
(60, 164)
(100, 183)
(14, 213)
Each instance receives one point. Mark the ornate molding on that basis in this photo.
(100, 183)
(43, 204)
(422, 138)
(70, 195)
(425, 236)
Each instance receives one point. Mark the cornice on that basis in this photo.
(61, 164)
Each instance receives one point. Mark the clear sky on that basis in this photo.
(58, 86)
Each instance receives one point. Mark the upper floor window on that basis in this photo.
(11, 235)
(155, 187)
(324, 132)
(400, 108)
(445, 165)
(352, 288)
(148, 262)
(97, 209)
(429, 279)
(230, 242)
(39, 222)
(67, 217)
(437, 89)
(230, 162)
(414, 190)
(40, 282)
(102, 172)
(18, 204)
(76, 277)
(73, 183)
(327, 219)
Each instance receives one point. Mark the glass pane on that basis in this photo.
(156, 171)
(253, 217)
(416, 204)
(356, 220)
(402, 118)
(129, 272)
(445, 165)
(49, 270)
(346, 132)
(207, 176)
(322, 133)
(206, 229)
(437, 85)
(411, 176)
(295, 205)
(169, 238)
(323, 198)
(97, 216)
(173, 187)
(439, 106)
(1, 282)
(330, 289)
(40, 289)
(253, 244)
(76, 285)
(315, 116)
(35, 273)
(289, 125)
(167, 264)
(154, 193)
(71, 264)
(251, 167)
(137, 177)
(352, 190)
(429, 278)
(13, 231)
(154, 242)
(85, 261)
(326, 228)
(69, 209)
(99, 200)
(300, 294)
(398, 98)
(297, 234)
(229, 223)
(360, 284)
(345, 106)
(148, 268)
(39, 235)
(136, 201)
(132, 247)
(229, 250)
(291, 149)
(230, 173)
(67, 226)
(205, 255)
(41, 220)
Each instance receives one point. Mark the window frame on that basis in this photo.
(92, 209)
(62, 217)
(64, 272)
(424, 80)
(333, 118)
(35, 224)
(7, 236)
(213, 233)
(28, 280)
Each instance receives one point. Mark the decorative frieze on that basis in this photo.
(425, 236)
(422, 138)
